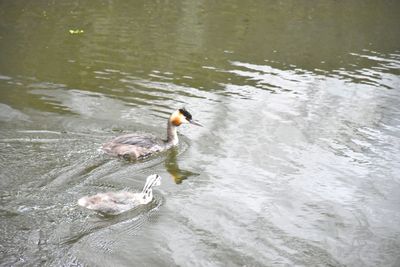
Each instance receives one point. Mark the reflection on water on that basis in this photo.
(172, 167)
(297, 164)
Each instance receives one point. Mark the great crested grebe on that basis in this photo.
(136, 146)
(114, 203)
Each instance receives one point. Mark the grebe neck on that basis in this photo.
(172, 134)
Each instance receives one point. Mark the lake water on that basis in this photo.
(298, 163)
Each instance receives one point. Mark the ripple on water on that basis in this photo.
(93, 233)
(297, 164)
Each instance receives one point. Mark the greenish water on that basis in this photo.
(297, 165)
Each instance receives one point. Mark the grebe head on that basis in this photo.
(147, 192)
(182, 116)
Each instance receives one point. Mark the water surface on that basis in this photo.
(297, 165)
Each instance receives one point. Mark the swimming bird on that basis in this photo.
(138, 146)
(114, 203)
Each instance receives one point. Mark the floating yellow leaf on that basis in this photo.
(76, 31)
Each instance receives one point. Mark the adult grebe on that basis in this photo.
(136, 146)
(114, 203)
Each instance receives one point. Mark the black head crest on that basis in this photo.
(186, 113)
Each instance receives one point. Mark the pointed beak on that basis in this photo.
(196, 123)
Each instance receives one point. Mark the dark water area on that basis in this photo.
(297, 163)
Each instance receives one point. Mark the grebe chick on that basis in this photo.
(114, 203)
(136, 146)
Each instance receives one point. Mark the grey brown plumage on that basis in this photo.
(114, 203)
(137, 146)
